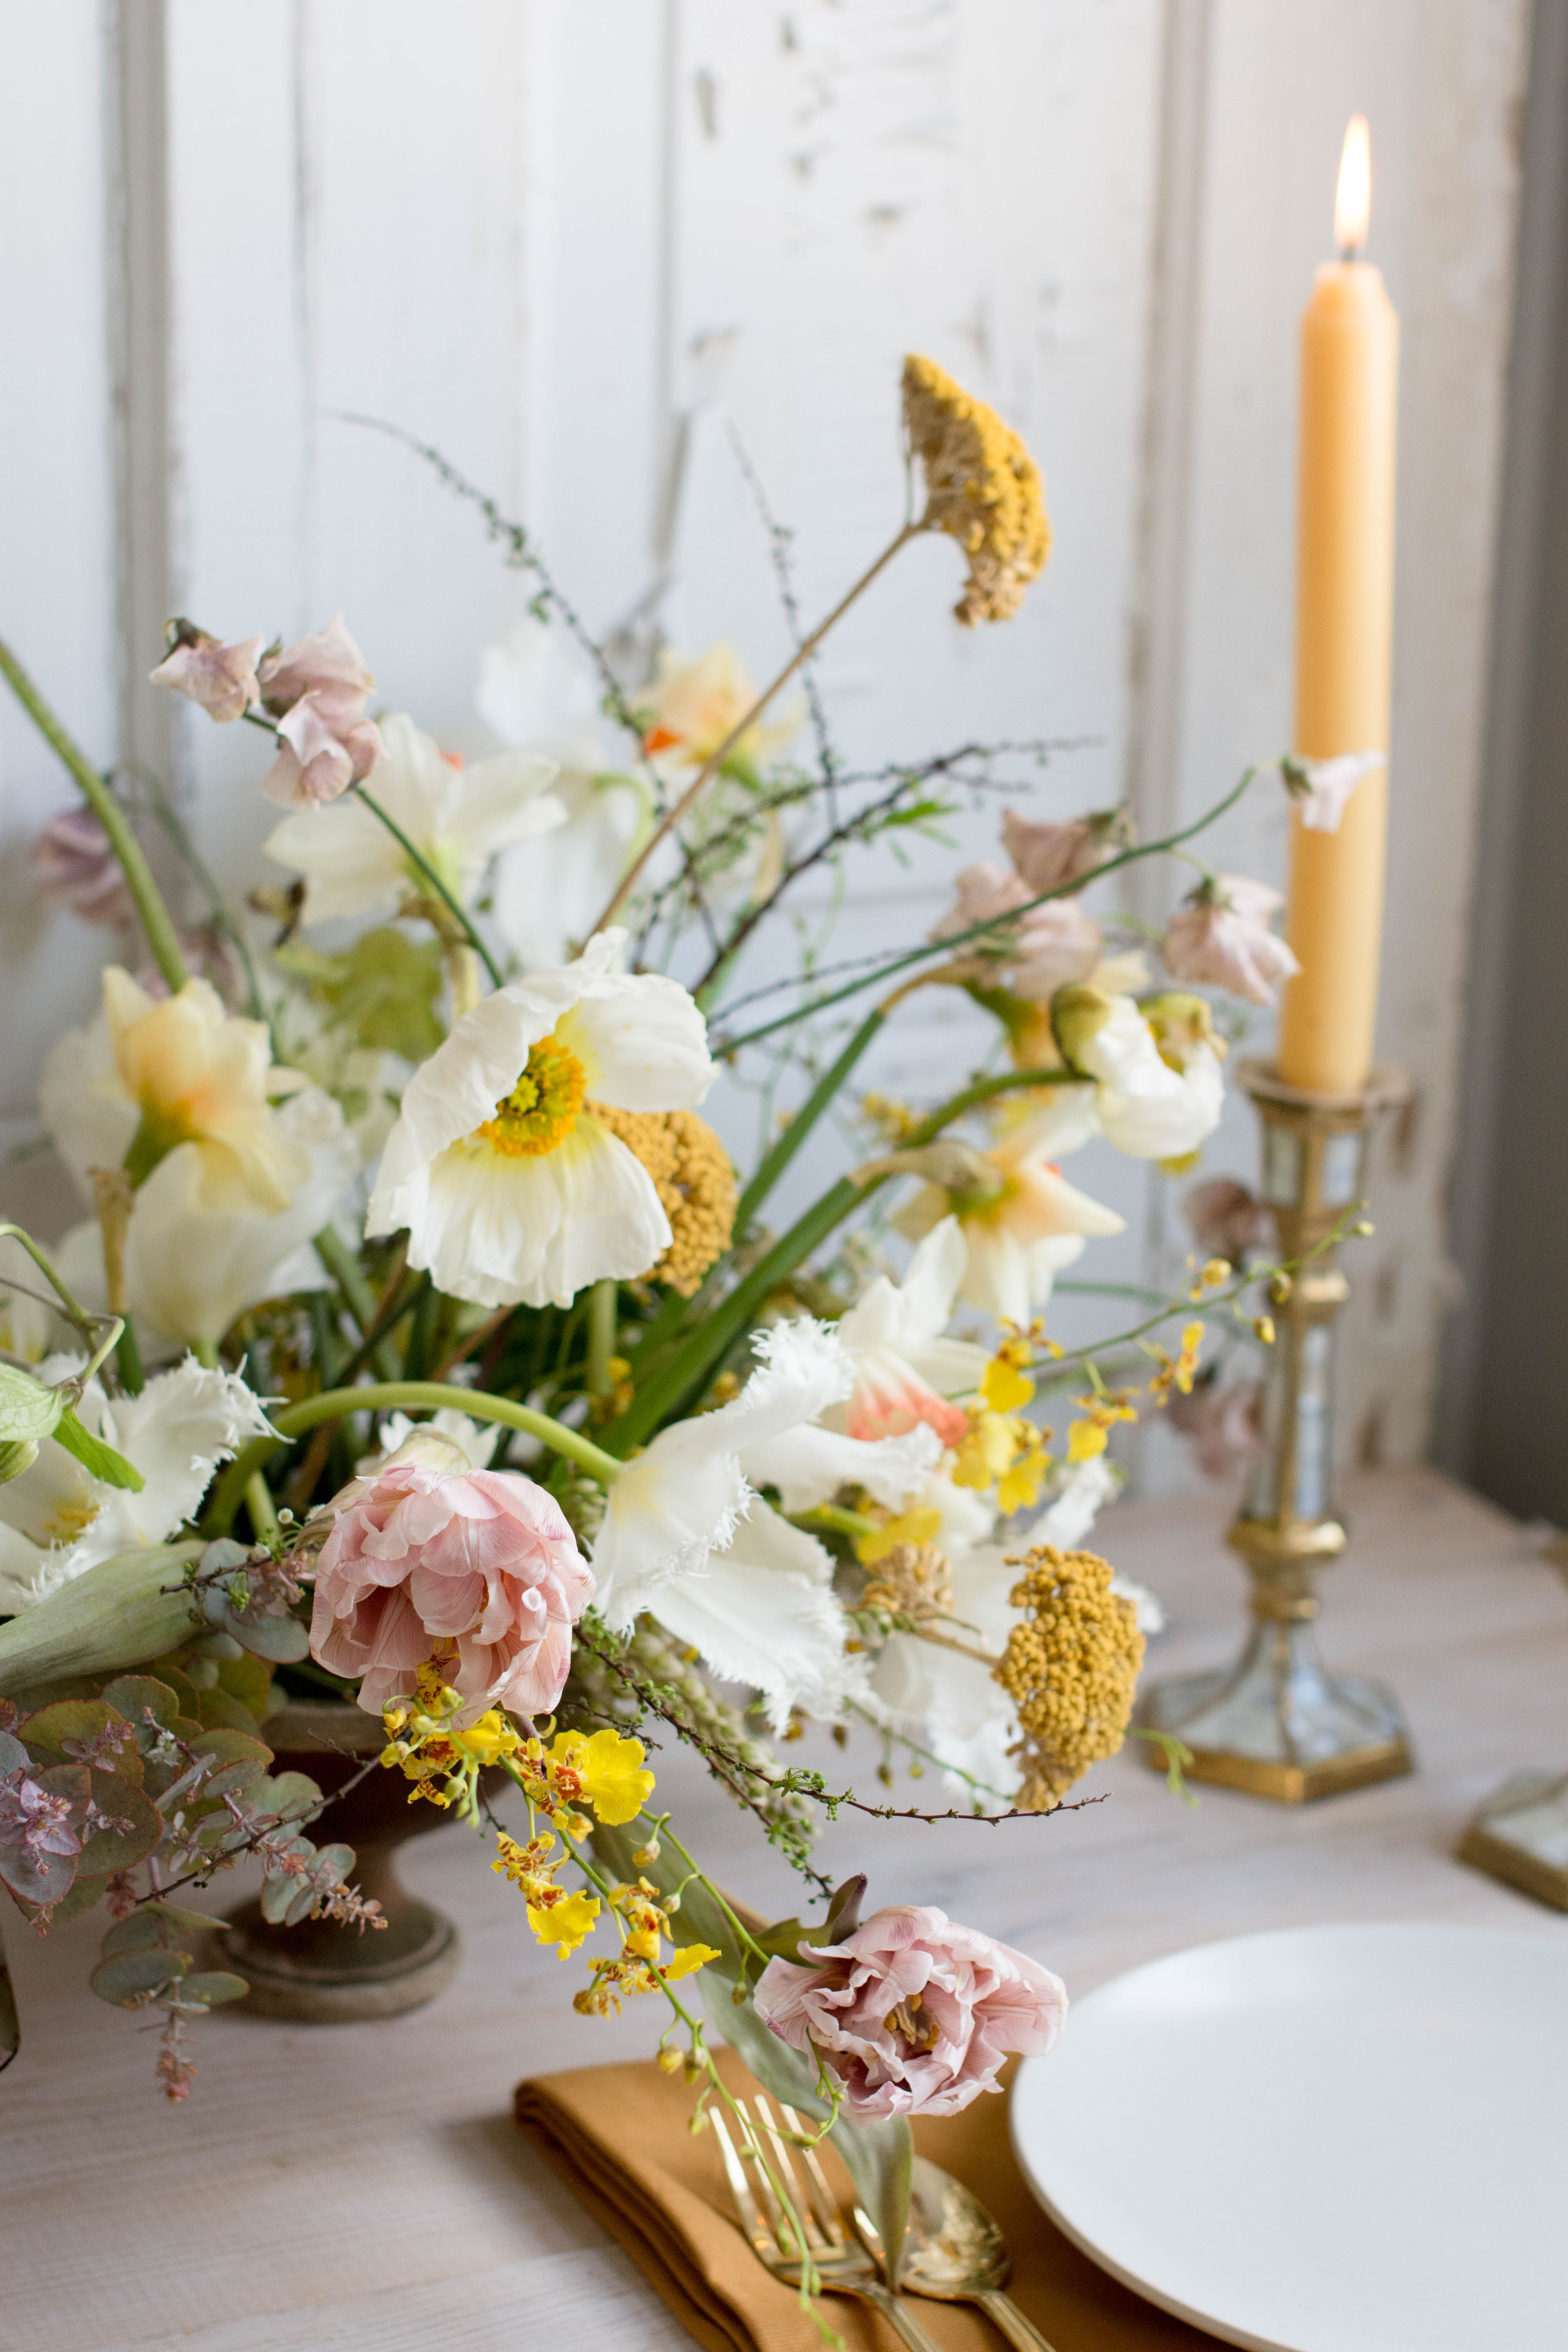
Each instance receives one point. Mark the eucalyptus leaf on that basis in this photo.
(125, 1975)
(28, 1410)
(212, 1986)
(98, 1460)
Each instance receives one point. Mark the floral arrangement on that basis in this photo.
(420, 1345)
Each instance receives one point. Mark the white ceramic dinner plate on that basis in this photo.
(1330, 2139)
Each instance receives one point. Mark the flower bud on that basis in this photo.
(670, 2061)
(644, 1855)
(16, 1455)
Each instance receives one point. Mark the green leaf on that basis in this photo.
(126, 1975)
(28, 1410)
(100, 1460)
(213, 1985)
(383, 989)
(77, 1719)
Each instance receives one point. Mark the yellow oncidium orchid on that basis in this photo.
(198, 1075)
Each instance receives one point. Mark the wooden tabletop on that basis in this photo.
(344, 2187)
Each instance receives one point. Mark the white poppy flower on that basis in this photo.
(191, 1269)
(905, 1372)
(457, 817)
(510, 1190)
(57, 1521)
(1028, 1223)
(538, 694)
(1160, 1087)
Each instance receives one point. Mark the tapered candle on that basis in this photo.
(1344, 616)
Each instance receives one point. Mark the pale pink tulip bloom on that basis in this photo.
(314, 762)
(420, 1555)
(76, 862)
(1221, 936)
(220, 679)
(913, 2013)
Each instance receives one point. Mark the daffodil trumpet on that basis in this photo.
(384, 1396)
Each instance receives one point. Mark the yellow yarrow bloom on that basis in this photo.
(982, 488)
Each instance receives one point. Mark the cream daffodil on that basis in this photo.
(1023, 1223)
(457, 818)
(691, 706)
(905, 1372)
(57, 1521)
(191, 1268)
(1159, 1088)
(162, 1072)
(510, 1190)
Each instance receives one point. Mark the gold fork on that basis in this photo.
(843, 2266)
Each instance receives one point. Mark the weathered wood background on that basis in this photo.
(567, 239)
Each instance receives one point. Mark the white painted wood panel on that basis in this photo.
(548, 235)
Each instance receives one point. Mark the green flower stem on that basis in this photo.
(677, 1383)
(428, 875)
(778, 1157)
(260, 1504)
(379, 1396)
(833, 1517)
(161, 934)
(945, 947)
(602, 1309)
(346, 1271)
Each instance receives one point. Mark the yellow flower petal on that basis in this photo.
(689, 1959)
(567, 1923)
(1085, 1440)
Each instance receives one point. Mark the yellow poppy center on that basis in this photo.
(541, 1110)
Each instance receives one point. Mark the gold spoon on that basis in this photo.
(954, 2252)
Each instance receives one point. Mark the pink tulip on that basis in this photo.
(220, 679)
(1221, 936)
(77, 868)
(914, 2014)
(419, 1558)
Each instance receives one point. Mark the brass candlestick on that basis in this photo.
(1520, 1836)
(1278, 1723)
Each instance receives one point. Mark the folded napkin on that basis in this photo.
(620, 2138)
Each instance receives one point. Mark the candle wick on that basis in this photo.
(1349, 253)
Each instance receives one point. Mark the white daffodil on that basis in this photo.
(691, 708)
(950, 1702)
(1022, 1221)
(457, 818)
(190, 1269)
(157, 1075)
(1159, 1088)
(56, 1521)
(685, 1536)
(905, 1372)
(510, 1189)
(539, 695)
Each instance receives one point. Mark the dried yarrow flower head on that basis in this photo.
(1070, 1669)
(982, 488)
(695, 1182)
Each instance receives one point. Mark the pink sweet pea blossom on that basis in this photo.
(913, 2013)
(76, 864)
(1047, 855)
(220, 679)
(315, 761)
(1047, 947)
(330, 666)
(1221, 936)
(420, 1555)
(1224, 1217)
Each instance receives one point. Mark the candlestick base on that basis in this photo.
(1278, 1723)
(1520, 1836)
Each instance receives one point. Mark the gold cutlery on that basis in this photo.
(954, 2252)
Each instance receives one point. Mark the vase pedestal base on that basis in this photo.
(1278, 1725)
(1520, 1836)
(318, 1974)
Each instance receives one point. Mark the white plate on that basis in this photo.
(1331, 2139)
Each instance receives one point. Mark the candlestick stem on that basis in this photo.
(1278, 1723)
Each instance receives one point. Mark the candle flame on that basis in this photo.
(1353, 199)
